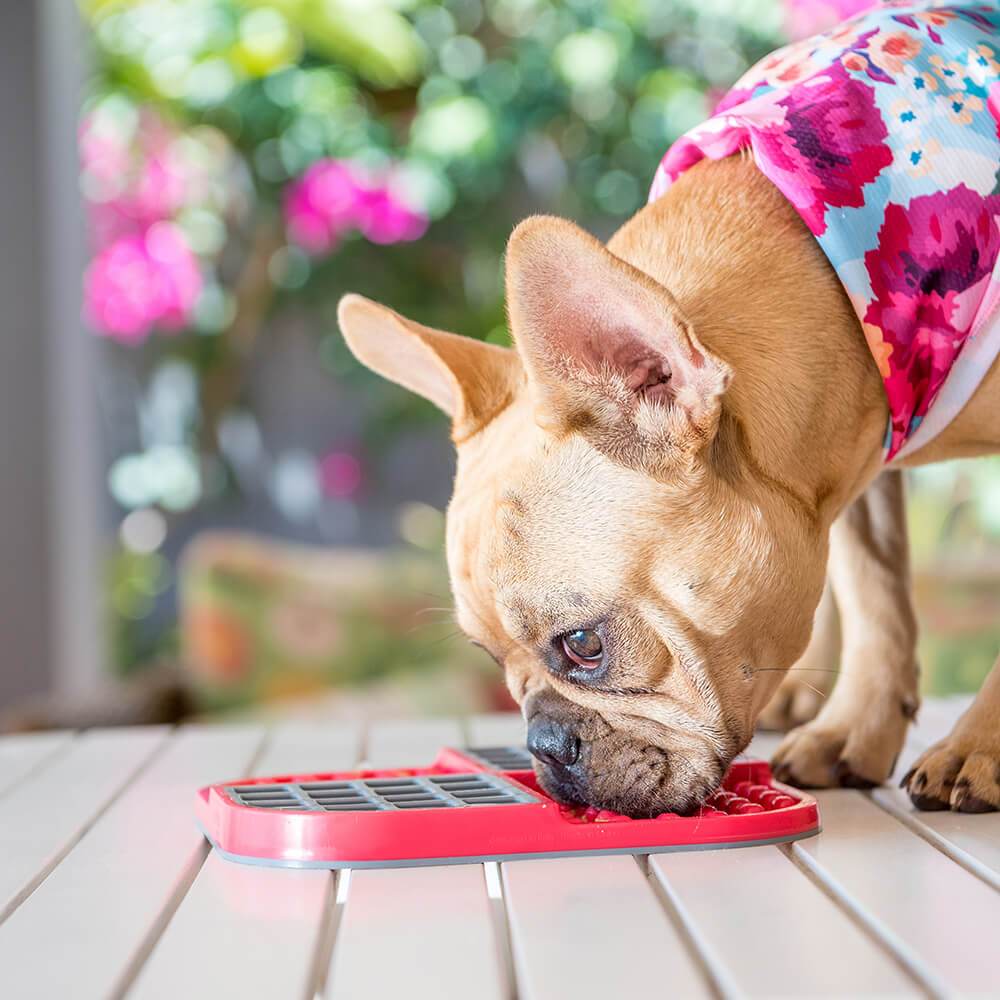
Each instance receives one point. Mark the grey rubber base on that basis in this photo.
(480, 859)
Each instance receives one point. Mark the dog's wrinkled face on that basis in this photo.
(625, 612)
(641, 596)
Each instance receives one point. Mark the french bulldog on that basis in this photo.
(654, 486)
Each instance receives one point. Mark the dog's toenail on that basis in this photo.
(973, 804)
(927, 803)
(846, 778)
(919, 782)
(905, 780)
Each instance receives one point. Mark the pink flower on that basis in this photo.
(809, 17)
(139, 282)
(133, 180)
(334, 197)
(340, 474)
(383, 218)
(161, 188)
(321, 206)
(104, 154)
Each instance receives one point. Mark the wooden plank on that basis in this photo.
(44, 815)
(940, 920)
(23, 753)
(973, 841)
(310, 747)
(499, 729)
(88, 926)
(246, 931)
(742, 905)
(410, 742)
(240, 932)
(593, 928)
(425, 932)
(419, 933)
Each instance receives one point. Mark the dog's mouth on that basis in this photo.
(646, 799)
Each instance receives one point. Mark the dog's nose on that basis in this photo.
(552, 742)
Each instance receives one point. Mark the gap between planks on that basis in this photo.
(58, 745)
(326, 936)
(936, 724)
(86, 826)
(493, 877)
(898, 952)
(718, 981)
(170, 906)
(912, 821)
(319, 984)
(321, 964)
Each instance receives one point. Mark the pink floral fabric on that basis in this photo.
(883, 133)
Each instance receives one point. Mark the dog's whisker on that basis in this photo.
(422, 627)
(446, 638)
(789, 670)
(430, 622)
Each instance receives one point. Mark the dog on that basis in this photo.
(687, 446)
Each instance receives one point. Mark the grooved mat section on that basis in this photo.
(384, 794)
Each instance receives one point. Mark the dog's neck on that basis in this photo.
(806, 409)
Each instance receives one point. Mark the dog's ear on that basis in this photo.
(468, 379)
(607, 349)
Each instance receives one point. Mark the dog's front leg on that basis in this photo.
(962, 771)
(808, 684)
(857, 735)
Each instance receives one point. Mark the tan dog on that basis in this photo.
(648, 490)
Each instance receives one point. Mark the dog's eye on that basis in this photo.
(584, 647)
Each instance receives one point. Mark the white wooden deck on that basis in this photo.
(108, 890)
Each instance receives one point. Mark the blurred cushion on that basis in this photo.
(262, 620)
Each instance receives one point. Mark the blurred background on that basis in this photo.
(197, 476)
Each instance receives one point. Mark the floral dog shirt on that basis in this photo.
(883, 134)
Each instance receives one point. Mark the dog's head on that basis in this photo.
(642, 593)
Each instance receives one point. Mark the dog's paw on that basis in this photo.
(821, 754)
(793, 704)
(960, 773)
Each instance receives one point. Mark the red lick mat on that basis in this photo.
(480, 804)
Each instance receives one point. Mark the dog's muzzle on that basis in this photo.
(553, 742)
